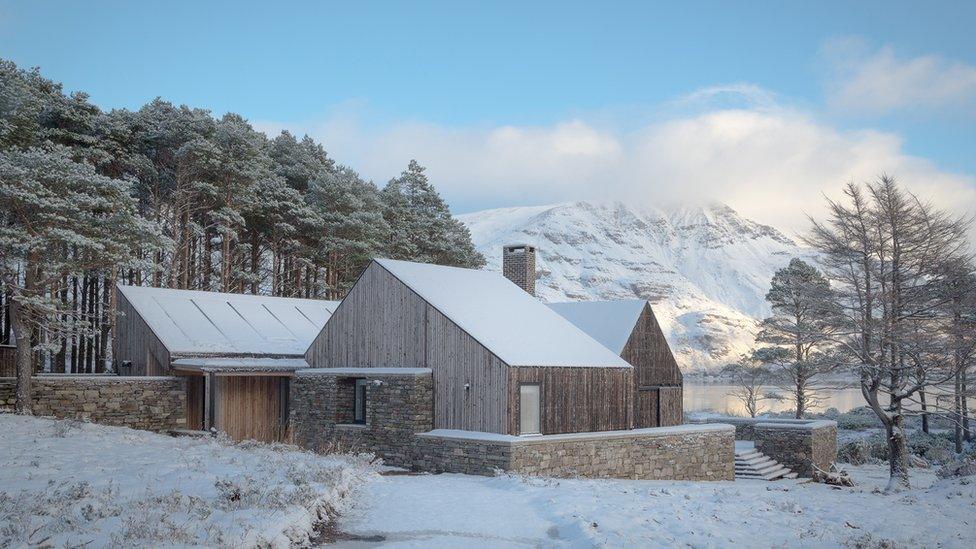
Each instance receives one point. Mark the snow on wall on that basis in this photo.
(193, 322)
(515, 326)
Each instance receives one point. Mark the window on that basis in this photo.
(529, 409)
(360, 402)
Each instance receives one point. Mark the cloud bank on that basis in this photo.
(772, 163)
(880, 82)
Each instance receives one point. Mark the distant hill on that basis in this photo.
(705, 268)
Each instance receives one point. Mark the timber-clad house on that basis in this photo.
(434, 368)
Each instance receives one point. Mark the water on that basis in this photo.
(717, 397)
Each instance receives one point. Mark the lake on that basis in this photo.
(700, 396)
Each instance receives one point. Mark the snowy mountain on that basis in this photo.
(705, 269)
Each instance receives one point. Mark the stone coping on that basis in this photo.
(798, 424)
(365, 372)
(108, 378)
(513, 440)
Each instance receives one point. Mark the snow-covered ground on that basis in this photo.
(72, 484)
(507, 511)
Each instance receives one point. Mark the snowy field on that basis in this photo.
(71, 484)
(465, 511)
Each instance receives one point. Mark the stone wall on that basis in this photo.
(399, 403)
(796, 443)
(799, 445)
(149, 403)
(687, 452)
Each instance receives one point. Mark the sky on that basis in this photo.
(767, 106)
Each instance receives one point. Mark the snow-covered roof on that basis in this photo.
(609, 322)
(516, 327)
(190, 322)
(228, 365)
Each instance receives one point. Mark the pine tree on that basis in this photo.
(52, 204)
(798, 333)
(421, 225)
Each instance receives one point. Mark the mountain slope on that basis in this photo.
(706, 269)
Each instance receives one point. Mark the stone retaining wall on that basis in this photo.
(687, 452)
(399, 403)
(796, 443)
(149, 403)
(799, 445)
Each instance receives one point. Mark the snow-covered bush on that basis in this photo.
(965, 467)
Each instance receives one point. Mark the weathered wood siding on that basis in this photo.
(195, 402)
(671, 406)
(8, 361)
(134, 341)
(576, 400)
(382, 323)
(251, 407)
(657, 377)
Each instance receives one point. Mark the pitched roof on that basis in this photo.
(190, 322)
(609, 322)
(516, 327)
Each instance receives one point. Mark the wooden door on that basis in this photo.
(251, 407)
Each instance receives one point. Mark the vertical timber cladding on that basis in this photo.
(382, 323)
(657, 378)
(576, 400)
(250, 407)
(134, 341)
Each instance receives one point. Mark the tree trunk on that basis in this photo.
(25, 355)
(925, 411)
(957, 412)
(897, 453)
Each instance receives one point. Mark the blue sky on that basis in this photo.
(588, 90)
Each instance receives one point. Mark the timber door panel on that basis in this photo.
(250, 408)
(647, 413)
(194, 402)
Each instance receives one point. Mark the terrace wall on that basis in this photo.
(149, 403)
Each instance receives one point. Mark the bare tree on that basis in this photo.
(751, 378)
(887, 254)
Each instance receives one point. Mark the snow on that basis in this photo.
(609, 322)
(512, 324)
(366, 372)
(72, 484)
(193, 322)
(205, 364)
(704, 268)
(568, 437)
(465, 511)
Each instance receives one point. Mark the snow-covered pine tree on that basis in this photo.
(421, 225)
(798, 334)
(53, 204)
(351, 227)
(887, 254)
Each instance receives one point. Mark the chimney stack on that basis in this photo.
(518, 265)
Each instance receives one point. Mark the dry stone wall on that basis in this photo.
(398, 405)
(149, 403)
(799, 446)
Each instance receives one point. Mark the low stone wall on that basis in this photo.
(399, 403)
(149, 403)
(687, 452)
(796, 443)
(799, 445)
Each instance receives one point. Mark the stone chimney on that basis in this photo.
(518, 265)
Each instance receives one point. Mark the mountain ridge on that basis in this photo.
(704, 267)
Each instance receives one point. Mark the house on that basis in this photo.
(626, 327)
(237, 352)
(500, 360)
(629, 328)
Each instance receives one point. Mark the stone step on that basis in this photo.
(748, 454)
(753, 460)
(751, 464)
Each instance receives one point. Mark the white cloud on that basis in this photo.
(771, 163)
(877, 82)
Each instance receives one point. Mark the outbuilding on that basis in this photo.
(630, 329)
(237, 352)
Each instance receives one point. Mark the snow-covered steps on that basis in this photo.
(753, 464)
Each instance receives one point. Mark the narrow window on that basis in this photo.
(529, 409)
(360, 404)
